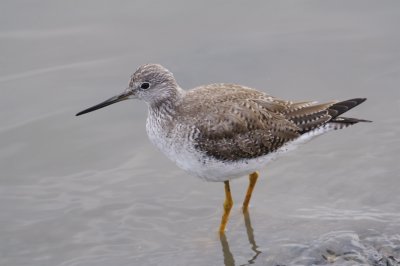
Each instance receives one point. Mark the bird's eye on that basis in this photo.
(145, 85)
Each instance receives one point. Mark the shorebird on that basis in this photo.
(222, 131)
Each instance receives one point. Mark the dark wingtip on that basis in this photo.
(359, 100)
(354, 102)
(341, 107)
(349, 120)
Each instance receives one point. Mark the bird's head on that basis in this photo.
(151, 83)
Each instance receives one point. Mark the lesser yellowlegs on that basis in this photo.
(222, 131)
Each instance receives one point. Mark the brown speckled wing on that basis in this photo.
(238, 123)
(310, 116)
(235, 122)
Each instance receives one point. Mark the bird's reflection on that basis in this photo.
(250, 235)
(228, 256)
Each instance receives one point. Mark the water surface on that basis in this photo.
(93, 191)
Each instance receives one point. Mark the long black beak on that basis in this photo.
(123, 96)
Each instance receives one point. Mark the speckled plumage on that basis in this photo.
(221, 131)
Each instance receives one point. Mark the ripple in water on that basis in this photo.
(342, 248)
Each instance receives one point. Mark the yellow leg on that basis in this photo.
(252, 183)
(228, 203)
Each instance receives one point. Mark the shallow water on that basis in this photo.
(93, 191)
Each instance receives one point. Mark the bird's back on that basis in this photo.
(236, 122)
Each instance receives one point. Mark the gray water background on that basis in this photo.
(92, 190)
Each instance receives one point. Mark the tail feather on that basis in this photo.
(348, 120)
(341, 107)
(326, 115)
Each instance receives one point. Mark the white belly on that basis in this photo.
(181, 150)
